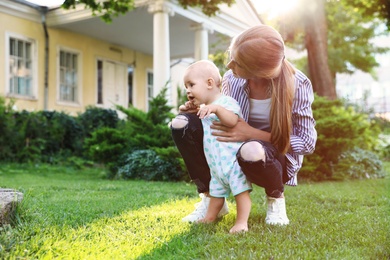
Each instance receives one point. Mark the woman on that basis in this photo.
(277, 126)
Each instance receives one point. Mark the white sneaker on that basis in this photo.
(276, 213)
(201, 210)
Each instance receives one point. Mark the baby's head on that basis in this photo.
(205, 69)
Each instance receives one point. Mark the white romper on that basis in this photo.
(226, 174)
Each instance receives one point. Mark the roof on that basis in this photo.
(134, 30)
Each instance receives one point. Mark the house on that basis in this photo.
(66, 60)
(362, 89)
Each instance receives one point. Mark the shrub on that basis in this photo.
(143, 132)
(340, 129)
(31, 140)
(148, 165)
(383, 123)
(160, 112)
(44, 135)
(172, 154)
(383, 147)
(140, 131)
(94, 118)
(63, 133)
(149, 129)
(151, 136)
(106, 145)
(358, 164)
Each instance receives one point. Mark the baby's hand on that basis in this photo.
(188, 107)
(205, 111)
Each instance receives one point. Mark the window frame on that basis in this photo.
(34, 64)
(148, 86)
(79, 101)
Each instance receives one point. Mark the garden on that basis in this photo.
(99, 187)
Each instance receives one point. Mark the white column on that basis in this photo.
(201, 51)
(161, 45)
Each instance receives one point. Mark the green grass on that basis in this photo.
(68, 214)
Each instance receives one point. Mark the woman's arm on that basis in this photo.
(304, 136)
(241, 132)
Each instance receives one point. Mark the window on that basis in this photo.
(20, 67)
(68, 91)
(130, 71)
(100, 82)
(150, 87)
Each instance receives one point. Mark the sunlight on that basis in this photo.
(275, 8)
(48, 3)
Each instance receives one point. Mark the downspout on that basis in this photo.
(44, 10)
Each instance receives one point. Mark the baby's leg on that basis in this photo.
(212, 211)
(243, 202)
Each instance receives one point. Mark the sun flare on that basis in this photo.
(275, 8)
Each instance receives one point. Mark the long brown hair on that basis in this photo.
(260, 51)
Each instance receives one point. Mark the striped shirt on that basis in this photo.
(304, 135)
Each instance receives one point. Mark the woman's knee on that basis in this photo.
(252, 151)
(179, 122)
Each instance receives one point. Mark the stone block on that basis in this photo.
(9, 199)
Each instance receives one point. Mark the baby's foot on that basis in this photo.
(205, 220)
(237, 228)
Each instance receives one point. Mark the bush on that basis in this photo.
(98, 134)
(383, 147)
(140, 131)
(159, 112)
(149, 129)
(8, 136)
(43, 135)
(148, 165)
(143, 133)
(340, 129)
(172, 154)
(30, 140)
(106, 145)
(94, 118)
(358, 164)
(63, 133)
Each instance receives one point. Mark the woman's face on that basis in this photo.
(238, 70)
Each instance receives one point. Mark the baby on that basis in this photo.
(202, 81)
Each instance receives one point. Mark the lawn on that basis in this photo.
(77, 214)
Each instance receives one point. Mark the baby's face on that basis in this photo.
(196, 87)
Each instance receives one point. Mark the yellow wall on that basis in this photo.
(10, 24)
(90, 50)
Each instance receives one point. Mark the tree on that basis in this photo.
(107, 8)
(371, 8)
(351, 30)
(317, 49)
(209, 7)
(336, 33)
(110, 8)
(343, 38)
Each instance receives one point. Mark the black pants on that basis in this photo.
(270, 174)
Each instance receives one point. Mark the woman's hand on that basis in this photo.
(241, 132)
(236, 133)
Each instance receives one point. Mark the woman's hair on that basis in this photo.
(260, 51)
